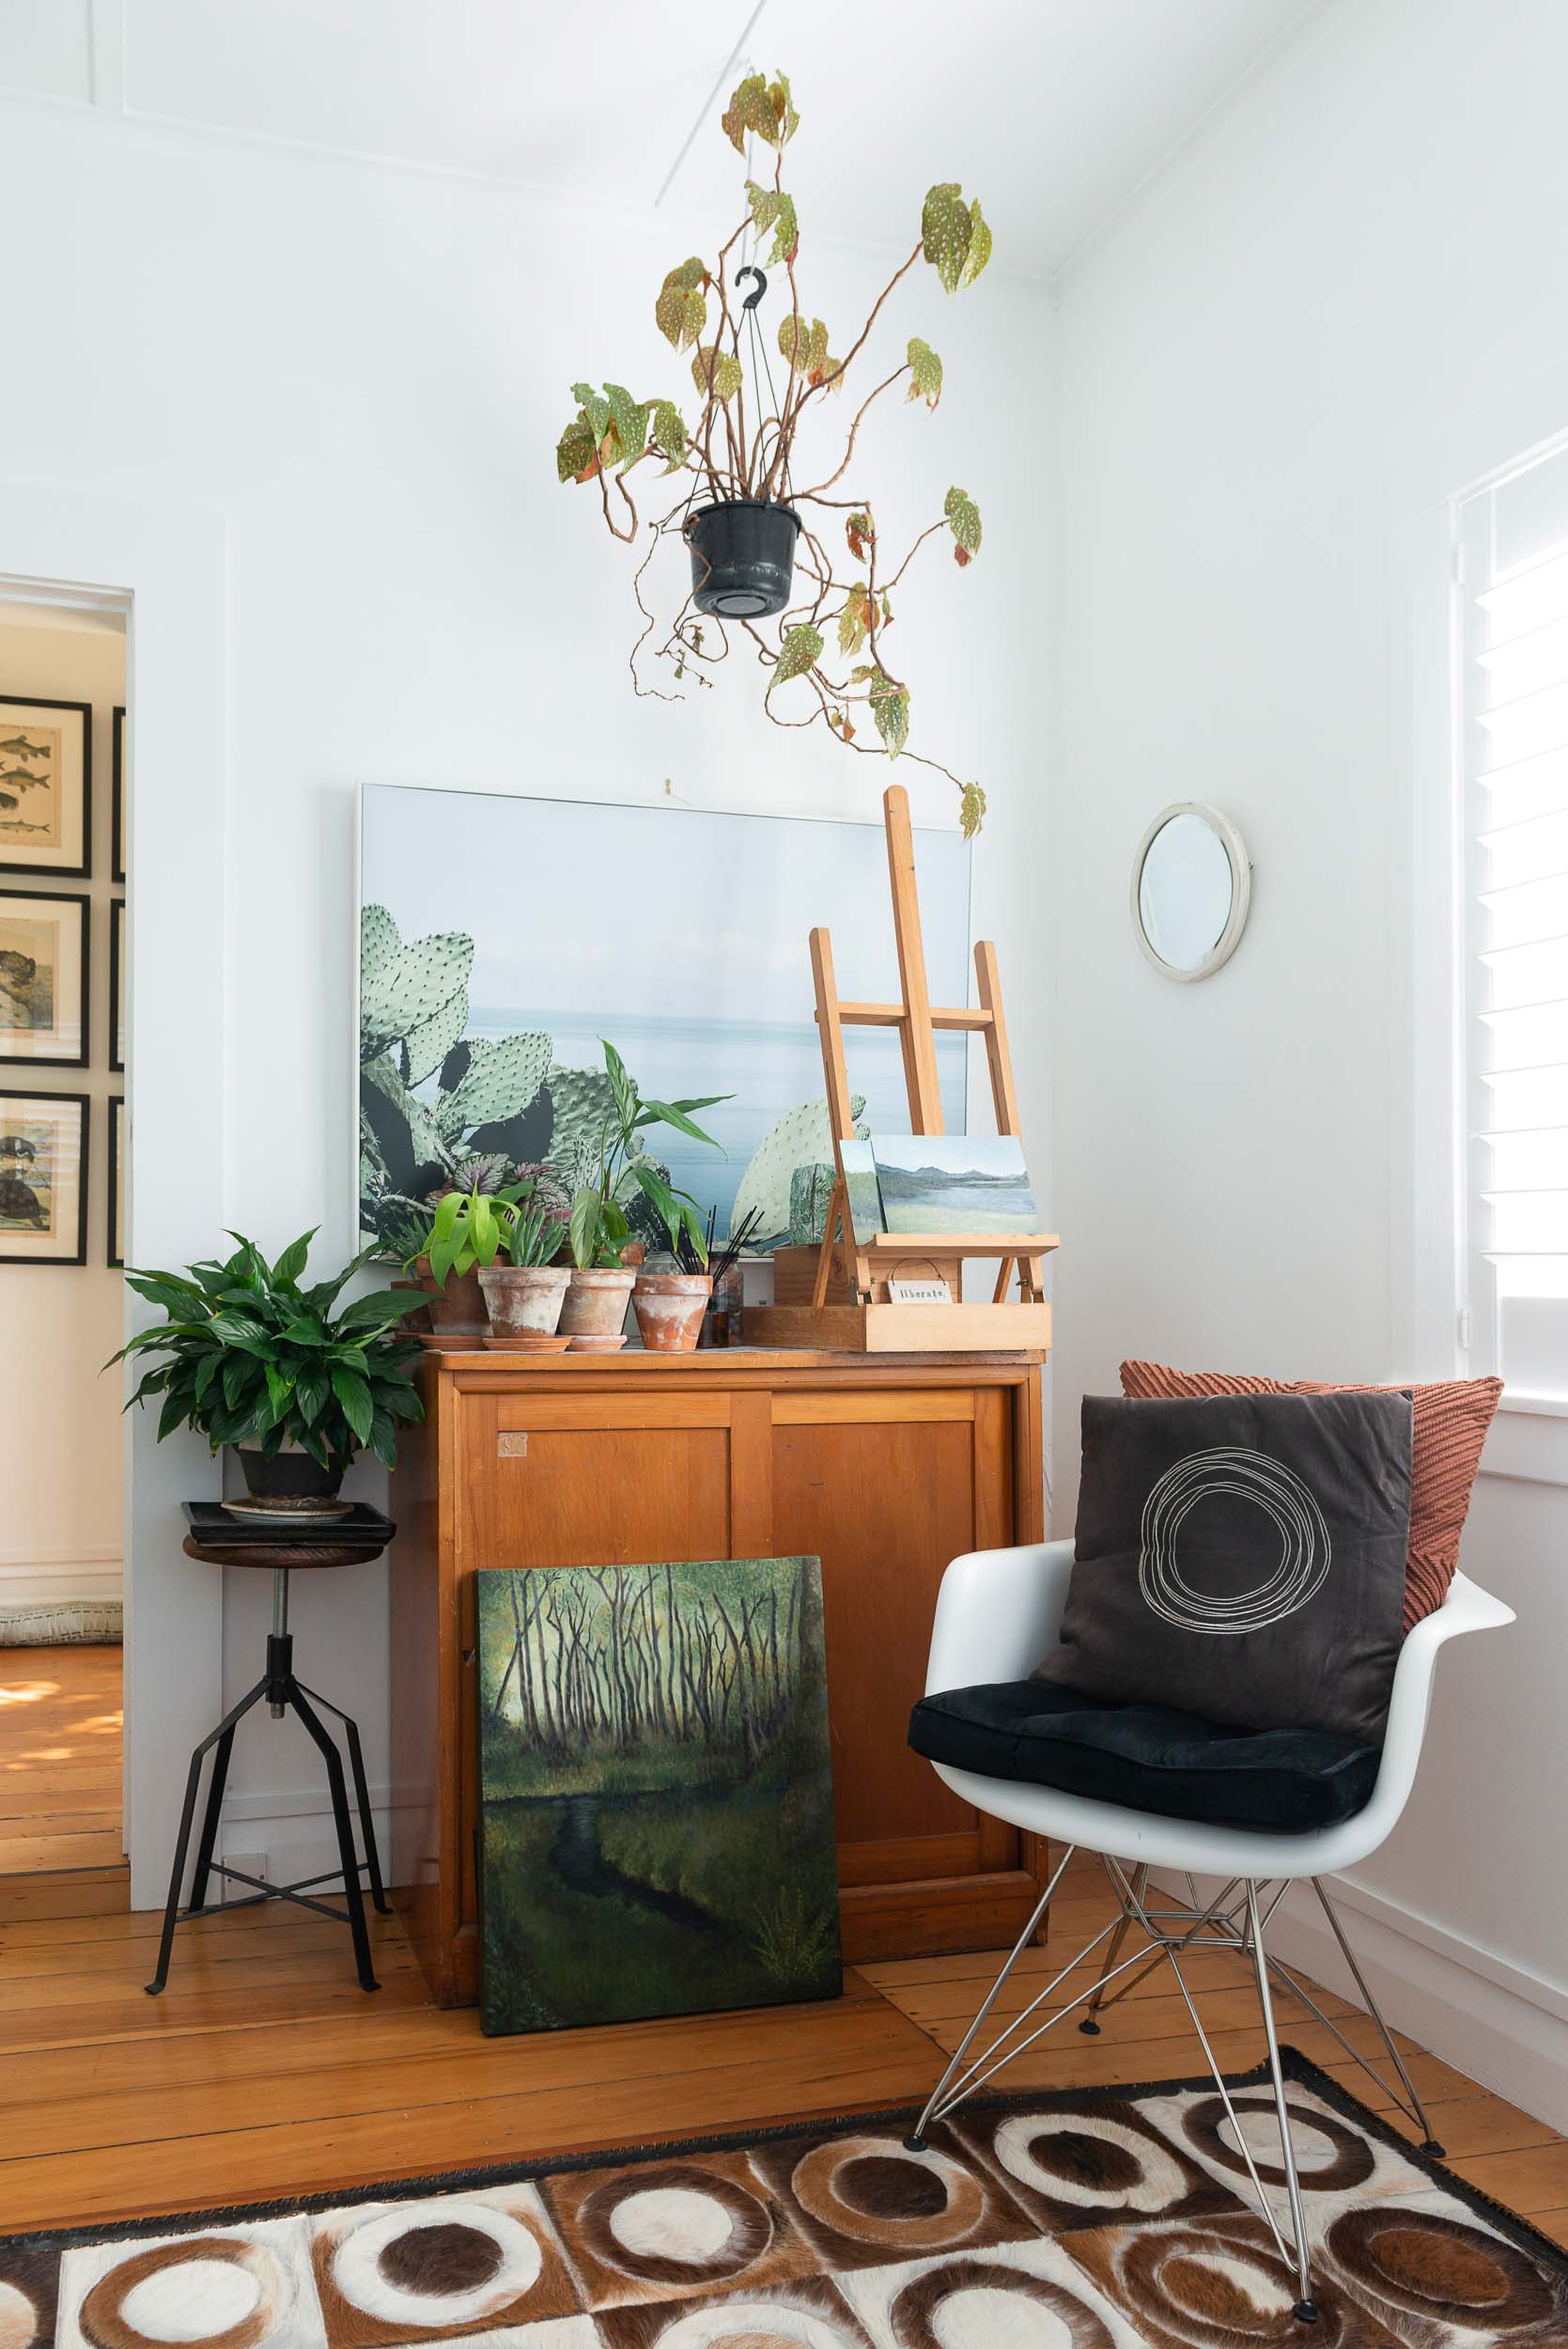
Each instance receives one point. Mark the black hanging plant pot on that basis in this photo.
(742, 557)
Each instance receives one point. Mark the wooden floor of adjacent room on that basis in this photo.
(264, 2070)
(61, 1734)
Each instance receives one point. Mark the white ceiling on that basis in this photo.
(1050, 110)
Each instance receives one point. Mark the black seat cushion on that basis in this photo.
(1148, 1757)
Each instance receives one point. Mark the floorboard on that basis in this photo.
(61, 1732)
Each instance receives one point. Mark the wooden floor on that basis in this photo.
(60, 1740)
(264, 2070)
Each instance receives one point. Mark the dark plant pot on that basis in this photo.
(742, 557)
(289, 1475)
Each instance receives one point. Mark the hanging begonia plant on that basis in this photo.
(755, 525)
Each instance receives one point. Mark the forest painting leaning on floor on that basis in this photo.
(657, 1792)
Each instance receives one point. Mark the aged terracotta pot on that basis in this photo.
(668, 1308)
(457, 1311)
(524, 1301)
(596, 1304)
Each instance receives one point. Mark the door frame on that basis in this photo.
(165, 565)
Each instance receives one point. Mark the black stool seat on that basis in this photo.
(220, 1538)
(1147, 1757)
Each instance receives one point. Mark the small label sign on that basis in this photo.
(511, 1446)
(926, 1292)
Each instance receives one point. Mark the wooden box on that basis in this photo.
(884, 1467)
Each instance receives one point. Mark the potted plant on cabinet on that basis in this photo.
(525, 1295)
(750, 505)
(448, 1255)
(255, 1362)
(598, 1229)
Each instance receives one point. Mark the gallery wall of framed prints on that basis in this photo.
(62, 962)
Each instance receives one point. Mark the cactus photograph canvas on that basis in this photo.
(484, 997)
(655, 1792)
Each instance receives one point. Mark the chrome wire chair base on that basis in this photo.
(1172, 1929)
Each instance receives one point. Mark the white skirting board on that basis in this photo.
(35, 1576)
(1490, 2018)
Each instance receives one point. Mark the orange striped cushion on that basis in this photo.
(1451, 1417)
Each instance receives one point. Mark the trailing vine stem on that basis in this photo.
(743, 442)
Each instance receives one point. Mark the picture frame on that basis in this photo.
(44, 970)
(46, 749)
(120, 810)
(43, 1178)
(115, 1198)
(117, 986)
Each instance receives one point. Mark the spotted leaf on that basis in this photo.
(762, 106)
(669, 432)
(680, 311)
(925, 373)
(964, 519)
(854, 622)
(971, 809)
(596, 409)
(716, 370)
(800, 650)
(890, 707)
(954, 236)
(630, 418)
(576, 452)
(860, 534)
(772, 210)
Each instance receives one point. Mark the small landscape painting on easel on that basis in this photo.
(962, 1183)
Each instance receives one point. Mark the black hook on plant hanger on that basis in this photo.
(752, 299)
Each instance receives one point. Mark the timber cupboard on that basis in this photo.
(883, 1466)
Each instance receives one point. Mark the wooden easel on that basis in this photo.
(862, 1313)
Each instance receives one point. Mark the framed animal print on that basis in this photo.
(43, 978)
(43, 1178)
(120, 812)
(45, 787)
(117, 983)
(116, 1180)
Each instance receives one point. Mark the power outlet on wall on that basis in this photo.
(253, 1863)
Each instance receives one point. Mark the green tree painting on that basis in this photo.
(657, 1808)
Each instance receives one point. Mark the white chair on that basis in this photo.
(997, 1614)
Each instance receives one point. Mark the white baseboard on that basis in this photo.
(1493, 2020)
(35, 1577)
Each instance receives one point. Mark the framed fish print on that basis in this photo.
(45, 787)
(117, 983)
(43, 978)
(116, 1180)
(43, 1178)
(120, 813)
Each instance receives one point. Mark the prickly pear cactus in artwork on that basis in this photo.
(584, 1107)
(803, 1137)
(810, 1190)
(403, 988)
(501, 1079)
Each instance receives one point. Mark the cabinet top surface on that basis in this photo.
(715, 1361)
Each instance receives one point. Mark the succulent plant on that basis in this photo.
(803, 1137)
(487, 1103)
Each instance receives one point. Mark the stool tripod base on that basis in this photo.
(282, 1693)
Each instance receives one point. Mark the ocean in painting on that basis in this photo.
(940, 1183)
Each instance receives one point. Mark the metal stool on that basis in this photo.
(222, 1540)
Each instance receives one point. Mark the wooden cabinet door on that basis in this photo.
(562, 1480)
(886, 1485)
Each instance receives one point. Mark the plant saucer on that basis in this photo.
(289, 1509)
(597, 1345)
(530, 1342)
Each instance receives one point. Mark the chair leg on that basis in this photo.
(1306, 2307)
(916, 2138)
(1430, 2144)
(347, 1854)
(209, 1824)
(1090, 2025)
(362, 1795)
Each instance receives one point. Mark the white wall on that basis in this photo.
(60, 1498)
(1363, 248)
(363, 372)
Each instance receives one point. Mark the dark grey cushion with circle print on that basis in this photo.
(1242, 1557)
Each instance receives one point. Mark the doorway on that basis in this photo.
(64, 1156)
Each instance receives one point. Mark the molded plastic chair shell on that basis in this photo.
(999, 1611)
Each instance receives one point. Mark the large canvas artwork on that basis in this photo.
(656, 1791)
(500, 939)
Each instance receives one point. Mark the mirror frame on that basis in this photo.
(1241, 889)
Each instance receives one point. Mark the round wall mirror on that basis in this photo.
(1190, 885)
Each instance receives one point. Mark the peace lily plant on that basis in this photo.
(829, 656)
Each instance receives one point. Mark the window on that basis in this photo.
(1512, 649)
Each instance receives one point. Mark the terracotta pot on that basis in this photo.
(457, 1311)
(524, 1301)
(668, 1308)
(596, 1304)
